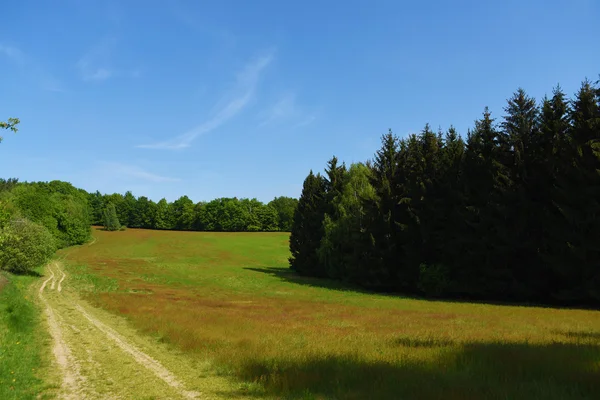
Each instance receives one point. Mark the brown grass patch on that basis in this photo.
(307, 337)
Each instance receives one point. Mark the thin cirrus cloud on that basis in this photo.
(32, 69)
(96, 64)
(245, 87)
(286, 110)
(135, 172)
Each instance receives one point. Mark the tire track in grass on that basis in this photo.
(71, 377)
(93, 338)
(142, 358)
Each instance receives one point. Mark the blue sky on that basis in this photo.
(243, 98)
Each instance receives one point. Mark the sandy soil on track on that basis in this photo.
(95, 360)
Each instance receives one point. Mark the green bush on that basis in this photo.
(25, 245)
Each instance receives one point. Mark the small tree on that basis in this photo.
(25, 246)
(111, 220)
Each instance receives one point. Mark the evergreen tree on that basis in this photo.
(578, 201)
(483, 269)
(525, 201)
(96, 201)
(382, 223)
(307, 227)
(111, 220)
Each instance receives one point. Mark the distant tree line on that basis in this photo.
(512, 212)
(220, 215)
(37, 218)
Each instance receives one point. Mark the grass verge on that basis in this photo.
(21, 345)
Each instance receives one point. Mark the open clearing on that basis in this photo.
(224, 316)
(99, 356)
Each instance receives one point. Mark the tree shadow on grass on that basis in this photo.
(31, 273)
(288, 275)
(463, 371)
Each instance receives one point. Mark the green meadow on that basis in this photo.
(230, 298)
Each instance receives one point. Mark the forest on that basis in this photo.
(511, 212)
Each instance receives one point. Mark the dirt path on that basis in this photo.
(97, 361)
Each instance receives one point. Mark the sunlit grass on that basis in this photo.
(230, 298)
(21, 340)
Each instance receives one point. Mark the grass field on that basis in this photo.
(22, 365)
(230, 299)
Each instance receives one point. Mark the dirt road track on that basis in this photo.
(95, 360)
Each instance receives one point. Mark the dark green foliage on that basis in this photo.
(512, 214)
(307, 227)
(434, 280)
(111, 220)
(25, 245)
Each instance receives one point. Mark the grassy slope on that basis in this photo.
(21, 339)
(231, 299)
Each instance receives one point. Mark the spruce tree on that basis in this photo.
(524, 201)
(307, 227)
(578, 201)
(483, 268)
(111, 220)
(381, 270)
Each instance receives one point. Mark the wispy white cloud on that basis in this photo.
(32, 68)
(94, 65)
(284, 108)
(287, 110)
(229, 106)
(133, 171)
(97, 65)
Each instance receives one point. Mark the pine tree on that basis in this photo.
(307, 227)
(111, 220)
(524, 202)
(554, 144)
(483, 268)
(578, 201)
(384, 261)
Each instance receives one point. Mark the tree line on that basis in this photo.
(221, 215)
(511, 212)
(37, 218)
